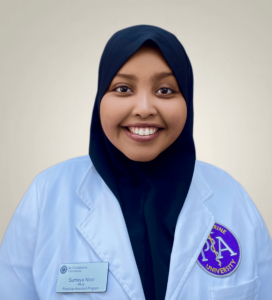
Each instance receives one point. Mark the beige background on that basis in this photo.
(49, 57)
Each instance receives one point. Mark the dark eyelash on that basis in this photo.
(120, 86)
(167, 89)
(172, 91)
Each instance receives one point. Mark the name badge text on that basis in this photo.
(83, 278)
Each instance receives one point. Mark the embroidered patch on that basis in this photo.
(222, 253)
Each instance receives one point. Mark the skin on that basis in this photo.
(128, 101)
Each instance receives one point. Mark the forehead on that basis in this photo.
(146, 56)
(147, 61)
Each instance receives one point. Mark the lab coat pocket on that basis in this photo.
(245, 291)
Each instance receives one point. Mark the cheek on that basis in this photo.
(176, 117)
(112, 113)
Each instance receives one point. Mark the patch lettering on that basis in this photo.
(222, 253)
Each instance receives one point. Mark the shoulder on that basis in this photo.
(60, 179)
(219, 180)
(71, 169)
(75, 162)
(212, 171)
(229, 194)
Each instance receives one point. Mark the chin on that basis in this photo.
(140, 158)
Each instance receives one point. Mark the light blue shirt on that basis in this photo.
(69, 215)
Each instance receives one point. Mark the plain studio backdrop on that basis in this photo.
(49, 58)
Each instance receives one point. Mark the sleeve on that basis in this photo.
(264, 249)
(17, 249)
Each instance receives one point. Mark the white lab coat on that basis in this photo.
(69, 215)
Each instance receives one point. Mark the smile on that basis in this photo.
(142, 134)
(143, 130)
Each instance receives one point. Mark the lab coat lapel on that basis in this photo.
(105, 230)
(194, 224)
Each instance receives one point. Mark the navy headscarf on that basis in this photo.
(151, 194)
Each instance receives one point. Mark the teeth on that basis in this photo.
(143, 130)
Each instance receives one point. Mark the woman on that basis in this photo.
(140, 205)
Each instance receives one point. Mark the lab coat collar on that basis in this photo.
(105, 230)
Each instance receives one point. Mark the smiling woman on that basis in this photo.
(140, 215)
(143, 110)
(147, 88)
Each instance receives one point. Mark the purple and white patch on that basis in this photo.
(222, 253)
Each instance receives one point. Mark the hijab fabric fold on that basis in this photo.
(151, 194)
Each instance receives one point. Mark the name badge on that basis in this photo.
(83, 278)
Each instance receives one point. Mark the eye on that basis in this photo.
(122, 89)
(165, 91)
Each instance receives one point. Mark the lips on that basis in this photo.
(143, 130)
(143, 125)
(141, 138)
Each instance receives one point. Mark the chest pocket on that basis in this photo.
(246, 291)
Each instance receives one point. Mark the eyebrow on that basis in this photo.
(153, 77)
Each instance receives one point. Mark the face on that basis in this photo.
(143, 111)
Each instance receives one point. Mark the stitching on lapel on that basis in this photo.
(204, 198)
(111, 267)
(194, 258)
(80, 187)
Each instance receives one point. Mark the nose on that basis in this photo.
(144, 106)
